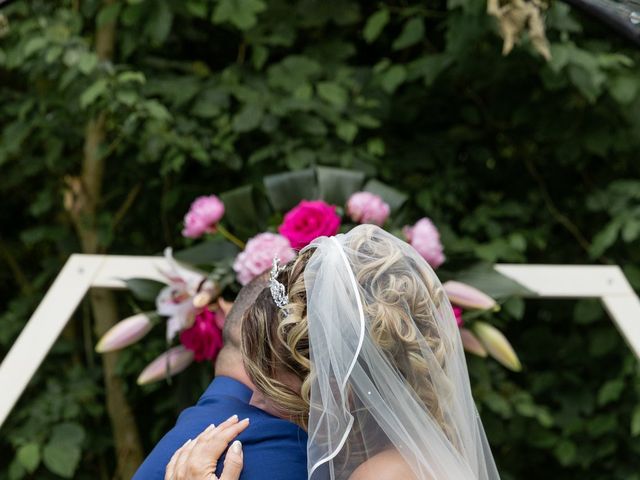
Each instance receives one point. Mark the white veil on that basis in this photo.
(388, 370)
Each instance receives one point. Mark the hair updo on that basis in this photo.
(399, 303)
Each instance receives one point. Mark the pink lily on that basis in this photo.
(125, 332)
(466, 296)
(171, 362)
(176, 300)
(497, 345)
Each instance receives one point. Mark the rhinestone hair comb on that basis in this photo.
(278, 292)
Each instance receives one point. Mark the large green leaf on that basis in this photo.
(486, 278)
(286, 190)
(144, 288)
(336, 185)
(207, 252)
(395, 198)
(241, 212)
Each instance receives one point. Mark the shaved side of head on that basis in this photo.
(246, 297)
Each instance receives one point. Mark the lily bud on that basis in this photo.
(471, 343)
(466, 296)
(124, 333)
(497, 345)
(171, 362)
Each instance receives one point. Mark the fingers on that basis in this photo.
(181, 462)
(233, 462)
(216, 440)
(170, 471)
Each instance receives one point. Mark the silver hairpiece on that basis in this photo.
(278, 291)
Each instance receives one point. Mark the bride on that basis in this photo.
(356, 342)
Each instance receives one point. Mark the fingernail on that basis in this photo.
(186, 443)
(245, 420)
(236, 447)
(210, 427)
(232, 418)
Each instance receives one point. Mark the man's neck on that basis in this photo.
(229, 364)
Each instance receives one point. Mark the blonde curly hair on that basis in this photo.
(400, 319)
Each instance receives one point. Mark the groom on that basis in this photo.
(273, 448)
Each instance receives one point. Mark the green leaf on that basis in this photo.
(333, 93)
(635, 422)
(33, 45)
(159, 23)
(241, 211)
(131, 76)
(565, 452)
(375, 24)
(587, 311)
(144, 288)
(248, 118)
(514, 307)
(241, 13)
(336, 185)
(157, 110)
(393, 78)
(347, 131)
(286, 190)
(207, 253)
(610, 391)
(91, 94)
(624, 88)
(108, 13)
(29, 456)
(395, 198)
(411, 34)
(61, 459)
(604, 239)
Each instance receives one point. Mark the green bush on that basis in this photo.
(514, 158)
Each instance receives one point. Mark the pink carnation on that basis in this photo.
(424, 237)
(202, 217)
(367, 207)
(308, 221)
(204, 337)
(257, 256)
(457, 312)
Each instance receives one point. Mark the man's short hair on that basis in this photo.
(246, 297)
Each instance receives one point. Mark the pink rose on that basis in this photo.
(202, 217)
(457, 312)
(367, 207)
(308, 221)
(424, 237)
(204, 337)
(257, 256)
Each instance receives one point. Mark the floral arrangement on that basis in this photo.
(191, 301)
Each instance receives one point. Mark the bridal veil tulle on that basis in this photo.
(388, 369)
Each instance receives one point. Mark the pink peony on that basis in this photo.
(202, 217)
(367, 207)
(204, 337)
(457, 312)
(308, 221)
(257, 256)
(424, 237)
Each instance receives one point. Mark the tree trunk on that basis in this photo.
(83, 203)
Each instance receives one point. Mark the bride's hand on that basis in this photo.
(197, 459)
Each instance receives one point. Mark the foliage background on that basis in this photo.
(516, 160)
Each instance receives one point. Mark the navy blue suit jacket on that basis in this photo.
(273, 449)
